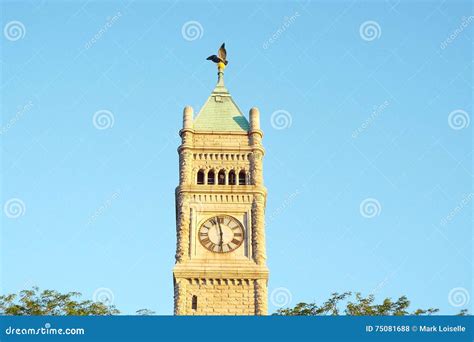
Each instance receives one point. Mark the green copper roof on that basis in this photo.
(220, 112)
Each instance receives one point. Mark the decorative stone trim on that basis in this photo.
(221, 198)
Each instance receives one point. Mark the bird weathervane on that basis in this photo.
(220, 59)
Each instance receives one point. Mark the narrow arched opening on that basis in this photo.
(242, 178)
(221, 177)
(200, 177)
(211, 177)
(232, 178)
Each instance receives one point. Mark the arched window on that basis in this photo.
(232, 177)
(211, 177)
(194, 302)
(242, 177)
(221, 177)
(200, 177)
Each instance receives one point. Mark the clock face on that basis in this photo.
(221, 234)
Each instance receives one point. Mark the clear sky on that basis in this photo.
(372, 100)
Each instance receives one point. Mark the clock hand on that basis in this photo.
(220, 232)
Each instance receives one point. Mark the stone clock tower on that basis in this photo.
(220, 206)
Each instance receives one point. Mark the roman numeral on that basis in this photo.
(235, 241)
(205, 241)
(221, 220)
(238, 234)
(203, 234)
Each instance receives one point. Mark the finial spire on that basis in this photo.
(220, 74)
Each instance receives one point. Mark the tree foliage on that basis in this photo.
(355, 305)
(49, 302)
(145, 312)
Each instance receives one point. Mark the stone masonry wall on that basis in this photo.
(220, 296)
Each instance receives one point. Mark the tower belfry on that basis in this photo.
(220, 205)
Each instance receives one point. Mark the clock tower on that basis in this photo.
(220, 206)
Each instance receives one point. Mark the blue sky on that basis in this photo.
(377, 98)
